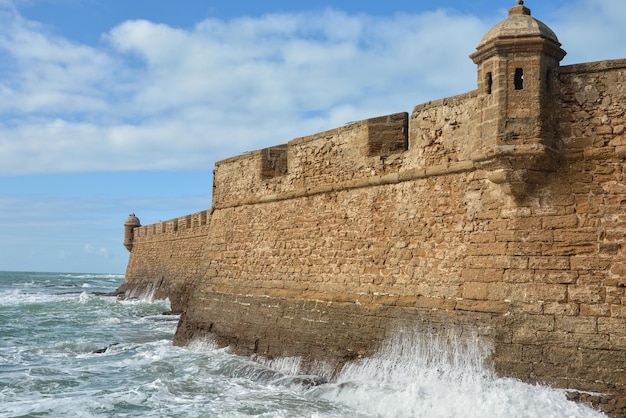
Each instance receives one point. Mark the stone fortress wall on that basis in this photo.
(165, 258)
(499, 212)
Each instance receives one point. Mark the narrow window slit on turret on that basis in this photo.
(519, 79)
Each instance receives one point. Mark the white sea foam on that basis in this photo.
(434, 375)
(16, 297)
(144, 292)
(415, 374)
(85, 297)
(110, 320)
(290, 366)
(93, 276)
(202, 344)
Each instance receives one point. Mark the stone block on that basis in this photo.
(541, 292)
(518, 276)
(435, 303)
(605, 359)
(529, 322)
(482, 275)
(486, 291)
(590, 263)
(525, 224)
(487, 262)
(524, 336)
(509, 352)
(561, 309)
(527, 248)
(579, 236)
(615, 326)
(482, 306)
(555, 276)
(488, 249)
(618, 311)
(530, 308)
(587, 340)
(577, 324)
(586, 294)
(556, 354)
(519, 262)
(549, 262)
(567, 249)
(532, 353)
(517, 370)
(595, 310)
(482, 237)
(560, 222)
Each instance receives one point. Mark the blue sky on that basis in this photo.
(115, 106)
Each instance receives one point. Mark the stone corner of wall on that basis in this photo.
(447, 101)
(585, 67)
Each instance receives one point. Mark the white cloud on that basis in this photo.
(155, 97)
(44, 73)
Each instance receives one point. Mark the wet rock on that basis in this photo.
(104, 349)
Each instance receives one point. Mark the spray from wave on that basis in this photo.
(441, 374)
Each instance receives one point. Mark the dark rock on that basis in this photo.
(104, 349)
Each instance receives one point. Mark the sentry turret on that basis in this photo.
(130, 224)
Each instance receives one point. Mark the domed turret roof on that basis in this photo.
(519, 24)
(132, 220)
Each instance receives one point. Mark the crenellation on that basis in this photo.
(317, 162)
(274, 162)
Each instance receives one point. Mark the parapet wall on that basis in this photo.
(592, 122)
(351, 152)
(359, 154)
(319, 248)
(443, 132)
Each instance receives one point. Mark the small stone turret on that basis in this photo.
(130, 224)
(518, 61)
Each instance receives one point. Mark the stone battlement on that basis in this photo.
(356, 150)
(499, 212)
(182, 226)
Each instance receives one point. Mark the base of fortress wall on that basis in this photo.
(325, 334)
(563, 352)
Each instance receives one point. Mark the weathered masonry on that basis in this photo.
(500, 211)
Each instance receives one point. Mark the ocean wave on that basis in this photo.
(19, 297)
(92, 276)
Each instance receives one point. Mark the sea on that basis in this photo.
(66, 350)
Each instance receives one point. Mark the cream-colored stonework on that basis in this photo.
(501, 211)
